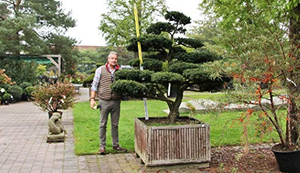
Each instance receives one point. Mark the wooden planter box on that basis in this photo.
(167, 145)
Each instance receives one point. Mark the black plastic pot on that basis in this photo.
(6, 102)
(288, 161)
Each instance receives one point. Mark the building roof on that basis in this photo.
(85, 47)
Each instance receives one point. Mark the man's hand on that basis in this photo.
(93, 104)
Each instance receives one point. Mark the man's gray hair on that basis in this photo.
(112, 53)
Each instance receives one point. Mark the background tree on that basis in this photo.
(36, 27)
(65, 47)
(207, 31)
(262, 42)
(167, 62)
(27, 25)
(20, 71)
(118, 25)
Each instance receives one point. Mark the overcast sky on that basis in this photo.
(87, 14)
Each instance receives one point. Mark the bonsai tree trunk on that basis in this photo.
(174, 107)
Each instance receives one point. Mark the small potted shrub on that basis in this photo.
(16, 93)
(6, 98)
(2, 92)
(77, 81)
(24, 85)
(54, 97)
(28, 92)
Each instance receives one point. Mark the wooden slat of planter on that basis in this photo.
(141, 140)
(164, 145)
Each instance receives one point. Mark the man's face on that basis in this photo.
(112, 60)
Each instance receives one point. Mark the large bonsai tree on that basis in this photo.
(168, 60)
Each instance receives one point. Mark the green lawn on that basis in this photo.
(224, 131)
(86, 124)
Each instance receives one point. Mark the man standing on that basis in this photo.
(109, 101)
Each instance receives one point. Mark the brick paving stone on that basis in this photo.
(6, 167)
(23, 147)
(4, 170)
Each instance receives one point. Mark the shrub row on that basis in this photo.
(14, 93)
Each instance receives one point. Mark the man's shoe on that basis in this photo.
(119, 148)
(102, 150)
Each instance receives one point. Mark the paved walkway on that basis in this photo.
(23, 146)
